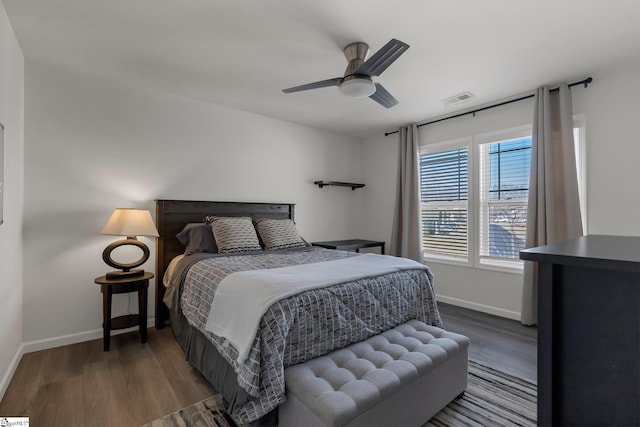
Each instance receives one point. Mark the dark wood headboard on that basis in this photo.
(173, 215)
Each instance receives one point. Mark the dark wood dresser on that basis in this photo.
(588, 331)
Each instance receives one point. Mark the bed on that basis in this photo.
(292, 330)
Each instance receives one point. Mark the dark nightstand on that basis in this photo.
(109, 287)
(349, 245)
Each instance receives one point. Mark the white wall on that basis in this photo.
(613, 202)
(12, 117)
(612, 107)
(92, 145)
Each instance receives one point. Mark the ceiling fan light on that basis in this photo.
(358, 87)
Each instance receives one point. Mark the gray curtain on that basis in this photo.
(406, 240)
(554, 207)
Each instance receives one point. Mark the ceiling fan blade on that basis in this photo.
(380, 61)
(383, 97)
(315, 85)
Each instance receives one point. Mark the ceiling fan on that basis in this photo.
(357, 82)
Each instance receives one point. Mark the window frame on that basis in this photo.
(480, 183)
(580, 141)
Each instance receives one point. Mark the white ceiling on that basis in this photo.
(242, 53)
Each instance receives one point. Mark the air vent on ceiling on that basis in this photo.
(459, 99)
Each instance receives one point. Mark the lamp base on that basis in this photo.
(128, 269)
(113, 275)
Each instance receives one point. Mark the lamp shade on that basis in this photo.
(130, 222)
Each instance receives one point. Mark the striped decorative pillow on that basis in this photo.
(279, 234)
(234, 234)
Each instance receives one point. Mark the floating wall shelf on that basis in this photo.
(353, 185)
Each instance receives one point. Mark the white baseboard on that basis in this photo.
(4, 385)
(45, 344)
(497, 311)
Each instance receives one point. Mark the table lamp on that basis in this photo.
(130, 223)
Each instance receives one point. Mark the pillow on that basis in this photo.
(197, 237)
(234, 234)
(279, 234)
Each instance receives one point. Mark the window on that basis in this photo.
(504, 188)
(444, 195)
(474, 195)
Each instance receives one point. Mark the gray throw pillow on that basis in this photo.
(196, 238)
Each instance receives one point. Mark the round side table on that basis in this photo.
(109, 287)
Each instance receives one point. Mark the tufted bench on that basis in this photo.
(401, 377)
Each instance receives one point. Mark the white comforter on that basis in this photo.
(243, 297)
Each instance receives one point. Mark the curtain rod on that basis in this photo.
(584, 82)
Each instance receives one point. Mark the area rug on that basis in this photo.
(493, 398)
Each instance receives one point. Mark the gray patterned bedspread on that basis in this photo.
(307, 325)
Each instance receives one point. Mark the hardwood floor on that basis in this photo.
(495, 341)
(82, 385)
(134, 383)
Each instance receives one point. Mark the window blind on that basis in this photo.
(444, 191)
